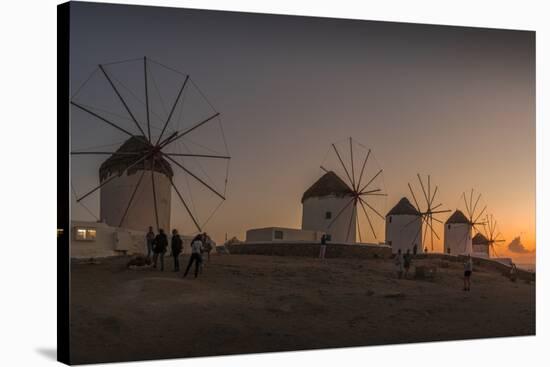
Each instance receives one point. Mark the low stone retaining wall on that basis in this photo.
(487, 264)
(346, 251)
(307, 249)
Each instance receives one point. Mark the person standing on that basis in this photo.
(207, 243)
(159, 248)
(513, 272)
(407, 259)
(150, 237)
(177, 246)
(398, 261)
(323, 248)
(415, 249)
(468, 268)
(196, 249)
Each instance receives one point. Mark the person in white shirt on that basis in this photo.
(196, 249)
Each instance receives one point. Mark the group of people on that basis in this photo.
(403, 264)
(157, 245)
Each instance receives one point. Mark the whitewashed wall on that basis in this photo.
(458, 238)
(313, 217)
(289, 234)
(403, 232)
(480, 251)
(116, 195)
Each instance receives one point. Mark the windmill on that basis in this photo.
(492, 234)
(364, 188)
(459, 226)
(148, 119)
(427, 212)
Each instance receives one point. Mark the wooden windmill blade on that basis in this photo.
(352, 182)
(495, 239)
(414, 198)
(471, 210)
(340, 213)
(429, 211)
(368, 219)
(418, 232)
(466, 204)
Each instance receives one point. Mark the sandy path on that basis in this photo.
(246, 304)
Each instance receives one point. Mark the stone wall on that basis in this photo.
(483, 263)
(308, 249)
(335, 250)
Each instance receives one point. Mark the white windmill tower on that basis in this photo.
(403, 226)
(149, 136)
(407, 226)
(339, 202)
(480, 245)
(459, 227)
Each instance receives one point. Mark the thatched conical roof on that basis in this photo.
(480, 239)
(328, 184)
(403, 207)
(457, 217)
(117, 163)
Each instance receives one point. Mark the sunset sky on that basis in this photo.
(455, 103)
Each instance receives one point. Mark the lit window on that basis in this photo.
(328, 215)
(278, 235)
(85, 234)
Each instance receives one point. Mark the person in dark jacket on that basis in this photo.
(159, 248)
(407, 259)
(207, 245)
(323, 248)
(177, 246)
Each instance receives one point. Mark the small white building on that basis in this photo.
(274, 234)
(458, 235)
(97, 239)
(480, 246)
(321, 204)
(404, 227)
(117, 194)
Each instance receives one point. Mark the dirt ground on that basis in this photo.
(251, 304)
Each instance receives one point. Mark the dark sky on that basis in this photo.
(455, 102)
